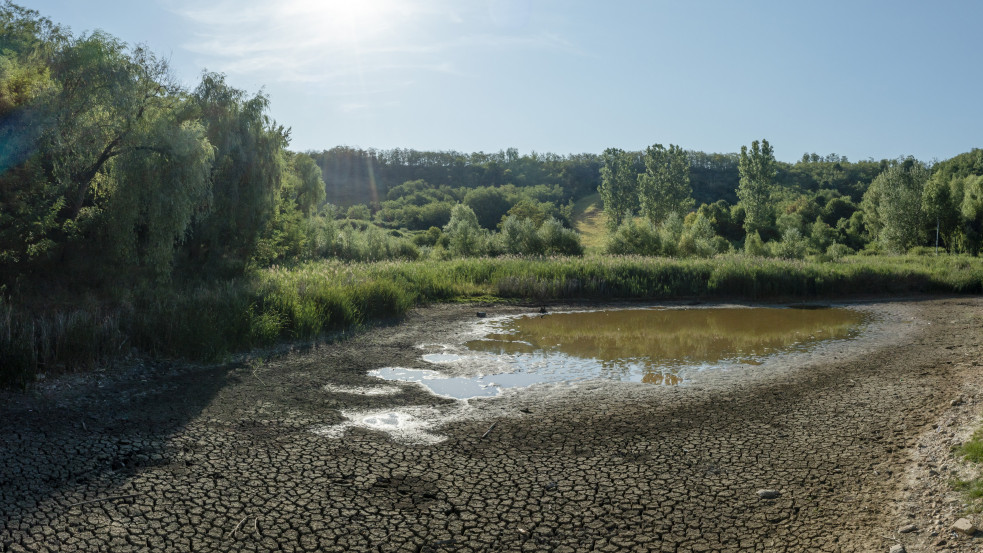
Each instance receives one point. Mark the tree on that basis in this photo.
(465, 236)
(619, 186)
(664, 186)
(757, 170)
(307, 188)
(489, 205)
(246, 177)
(104, 165)
(893, 205)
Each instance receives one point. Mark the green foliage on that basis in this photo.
(359, 212)
(246, 177)
(821, 236)
(489, 205)
(558, 239)
(893, 206)
(792, 245)
(757, 169)
(664, 186)
(698, 238)
(373, 244)
(754, 246)
(671, 234)
(208, 321)
(465, 236)
(305, 187)
(519, 237)
(619, 186)
(635, 238)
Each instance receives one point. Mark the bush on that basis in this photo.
(519, 237)
(559, 240)
(838, 251)
(465, 236)
(634, 238)
(753, 246)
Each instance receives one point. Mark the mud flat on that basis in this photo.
(308, 452)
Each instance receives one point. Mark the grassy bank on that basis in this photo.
(300, 303)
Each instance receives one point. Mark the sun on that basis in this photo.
(348, 21)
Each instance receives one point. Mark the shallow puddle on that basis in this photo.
(656, 346)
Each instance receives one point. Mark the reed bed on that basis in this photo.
(208, 322)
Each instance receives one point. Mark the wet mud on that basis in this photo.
(308, 452)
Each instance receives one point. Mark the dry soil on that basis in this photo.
(279, 455)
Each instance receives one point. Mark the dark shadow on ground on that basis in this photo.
(82, 443)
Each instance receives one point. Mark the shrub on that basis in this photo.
(559, 240)
(634, 238)
(519, 237)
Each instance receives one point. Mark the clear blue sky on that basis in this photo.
(857, 78)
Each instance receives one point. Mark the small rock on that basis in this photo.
(964, 526)
(897, 548)
(769, 494)
(907, 529)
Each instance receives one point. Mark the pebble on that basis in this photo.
(897, 548)
(907, 529)
(964, 526)
(769, 494)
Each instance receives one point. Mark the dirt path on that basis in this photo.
(250, 457)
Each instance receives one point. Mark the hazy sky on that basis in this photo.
(857, 78)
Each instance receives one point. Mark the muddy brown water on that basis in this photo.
(653, 345)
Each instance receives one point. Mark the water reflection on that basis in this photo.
(654, 346)
(661, 341)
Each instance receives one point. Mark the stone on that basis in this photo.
(769, 494)
(907, 529)
(897, 548)
(964, 526)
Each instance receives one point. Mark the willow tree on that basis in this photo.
(110, 169)
(246, 176)
(664, 186)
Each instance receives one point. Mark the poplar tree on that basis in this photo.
(664, 186)
(757, 170)
(619, 186)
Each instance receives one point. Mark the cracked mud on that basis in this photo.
(299, 453)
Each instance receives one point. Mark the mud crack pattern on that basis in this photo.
(225, 459)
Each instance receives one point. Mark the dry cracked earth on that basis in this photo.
(854, 437)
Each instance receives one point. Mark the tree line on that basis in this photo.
(112, 172)
(818, 205)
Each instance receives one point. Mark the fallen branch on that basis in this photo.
(490, 428)
(232, 534)
(101, 499)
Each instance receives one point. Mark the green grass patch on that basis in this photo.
(590, 221)
(973, 449)
(972, 489)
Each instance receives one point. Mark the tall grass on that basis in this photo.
(300, 303)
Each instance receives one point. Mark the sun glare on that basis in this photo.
(348, 21)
